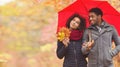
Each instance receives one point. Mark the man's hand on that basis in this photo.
(90, 44)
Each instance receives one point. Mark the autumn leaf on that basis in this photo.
(63, 33)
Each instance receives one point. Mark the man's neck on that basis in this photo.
(100, 22)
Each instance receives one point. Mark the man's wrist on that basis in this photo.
(88, 48)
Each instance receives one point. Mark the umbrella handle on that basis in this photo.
(89, 36)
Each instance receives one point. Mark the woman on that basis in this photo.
(70, 48)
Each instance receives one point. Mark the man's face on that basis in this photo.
(93, 18)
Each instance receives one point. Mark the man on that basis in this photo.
(97, 41)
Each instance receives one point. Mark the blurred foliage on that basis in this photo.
(27, 32)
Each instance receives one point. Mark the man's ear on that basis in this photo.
(99, 16)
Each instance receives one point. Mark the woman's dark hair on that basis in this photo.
(82, 25)
(97, 11)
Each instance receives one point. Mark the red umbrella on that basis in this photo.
(82, 7)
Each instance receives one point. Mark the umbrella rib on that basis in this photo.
(84, 5)
(112, 14)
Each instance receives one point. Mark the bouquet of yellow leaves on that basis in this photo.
(63, 33)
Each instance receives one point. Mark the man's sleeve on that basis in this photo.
(116, 39)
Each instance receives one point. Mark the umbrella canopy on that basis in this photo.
(82, 7)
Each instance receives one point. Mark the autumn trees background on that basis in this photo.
(28, 32)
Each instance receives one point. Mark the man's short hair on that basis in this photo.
(97, 11)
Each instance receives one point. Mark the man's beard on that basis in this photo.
(95, 24)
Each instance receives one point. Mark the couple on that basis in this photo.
(94, 42)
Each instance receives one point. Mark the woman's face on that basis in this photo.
(75, 22)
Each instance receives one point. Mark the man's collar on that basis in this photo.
(104, 24)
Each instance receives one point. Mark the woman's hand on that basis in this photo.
(65, 41)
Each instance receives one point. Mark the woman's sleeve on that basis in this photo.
(85, 39)
(61, 50)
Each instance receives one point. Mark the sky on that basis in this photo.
(3, 2)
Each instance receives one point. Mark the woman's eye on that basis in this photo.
(78, 22)
(73, 19)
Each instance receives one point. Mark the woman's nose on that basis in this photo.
(74, 22)
(90, 18)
